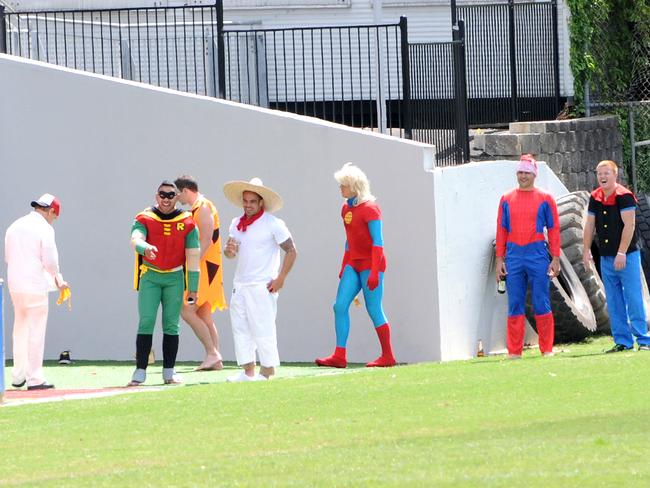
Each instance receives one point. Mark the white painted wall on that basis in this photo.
(466, 204)
(103, 145)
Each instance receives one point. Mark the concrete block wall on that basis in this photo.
(572, 148)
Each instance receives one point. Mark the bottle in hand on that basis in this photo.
(501, 286)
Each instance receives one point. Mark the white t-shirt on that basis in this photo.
(259, 249)
(31, 255)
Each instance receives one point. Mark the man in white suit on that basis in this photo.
(32, 271)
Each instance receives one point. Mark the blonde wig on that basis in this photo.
(355, 179)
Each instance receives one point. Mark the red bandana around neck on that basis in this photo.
(245, 221)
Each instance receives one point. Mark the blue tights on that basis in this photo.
(350, 284)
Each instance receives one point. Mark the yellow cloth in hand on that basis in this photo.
(65, 295)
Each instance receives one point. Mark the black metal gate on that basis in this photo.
(512, 61)
(353, 75)
(439, 98)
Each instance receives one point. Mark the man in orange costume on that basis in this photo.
(211, 296)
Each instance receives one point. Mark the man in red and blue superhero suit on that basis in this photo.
(522, 256)
(362, 268)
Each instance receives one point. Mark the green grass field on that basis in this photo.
(577, 419)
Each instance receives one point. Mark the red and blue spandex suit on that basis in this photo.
(522, 217)
(362, 268)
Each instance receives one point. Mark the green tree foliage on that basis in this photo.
(610, 51)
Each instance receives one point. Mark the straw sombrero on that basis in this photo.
(234, 190)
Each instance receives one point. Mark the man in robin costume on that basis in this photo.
(211, 296)
(167, 248)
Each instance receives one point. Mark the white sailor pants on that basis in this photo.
(30, 321)
(252, 315)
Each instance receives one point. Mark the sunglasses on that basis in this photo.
(169, 195)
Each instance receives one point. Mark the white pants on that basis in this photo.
(30, 321)
(252, 316)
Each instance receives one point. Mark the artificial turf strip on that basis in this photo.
(574, 419)
(110, 374)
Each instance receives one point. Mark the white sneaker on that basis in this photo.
(239, 378)
(260, 377)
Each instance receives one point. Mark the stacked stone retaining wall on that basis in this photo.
(571, 148)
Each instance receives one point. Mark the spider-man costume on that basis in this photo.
(362, 268)
(523, 214)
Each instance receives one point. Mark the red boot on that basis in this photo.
(386, 359)
(546, 332)
(382, 362)
(336, 360)
(515, 335)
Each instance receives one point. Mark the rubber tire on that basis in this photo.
(643, 232)
(572, 209)
(574, 316)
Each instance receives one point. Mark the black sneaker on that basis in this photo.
(43, 386)
(64, 358)
(19, 385)
(617, 348)
(644, 347)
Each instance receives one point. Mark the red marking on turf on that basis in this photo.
(17, 397)
(28, 394)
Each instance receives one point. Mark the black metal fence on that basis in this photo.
(512, 61)
(347, 74)
(352, 75)
(173, 47)
(438, 99)
(357, 75)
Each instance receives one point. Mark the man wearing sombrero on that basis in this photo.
(256, 238)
